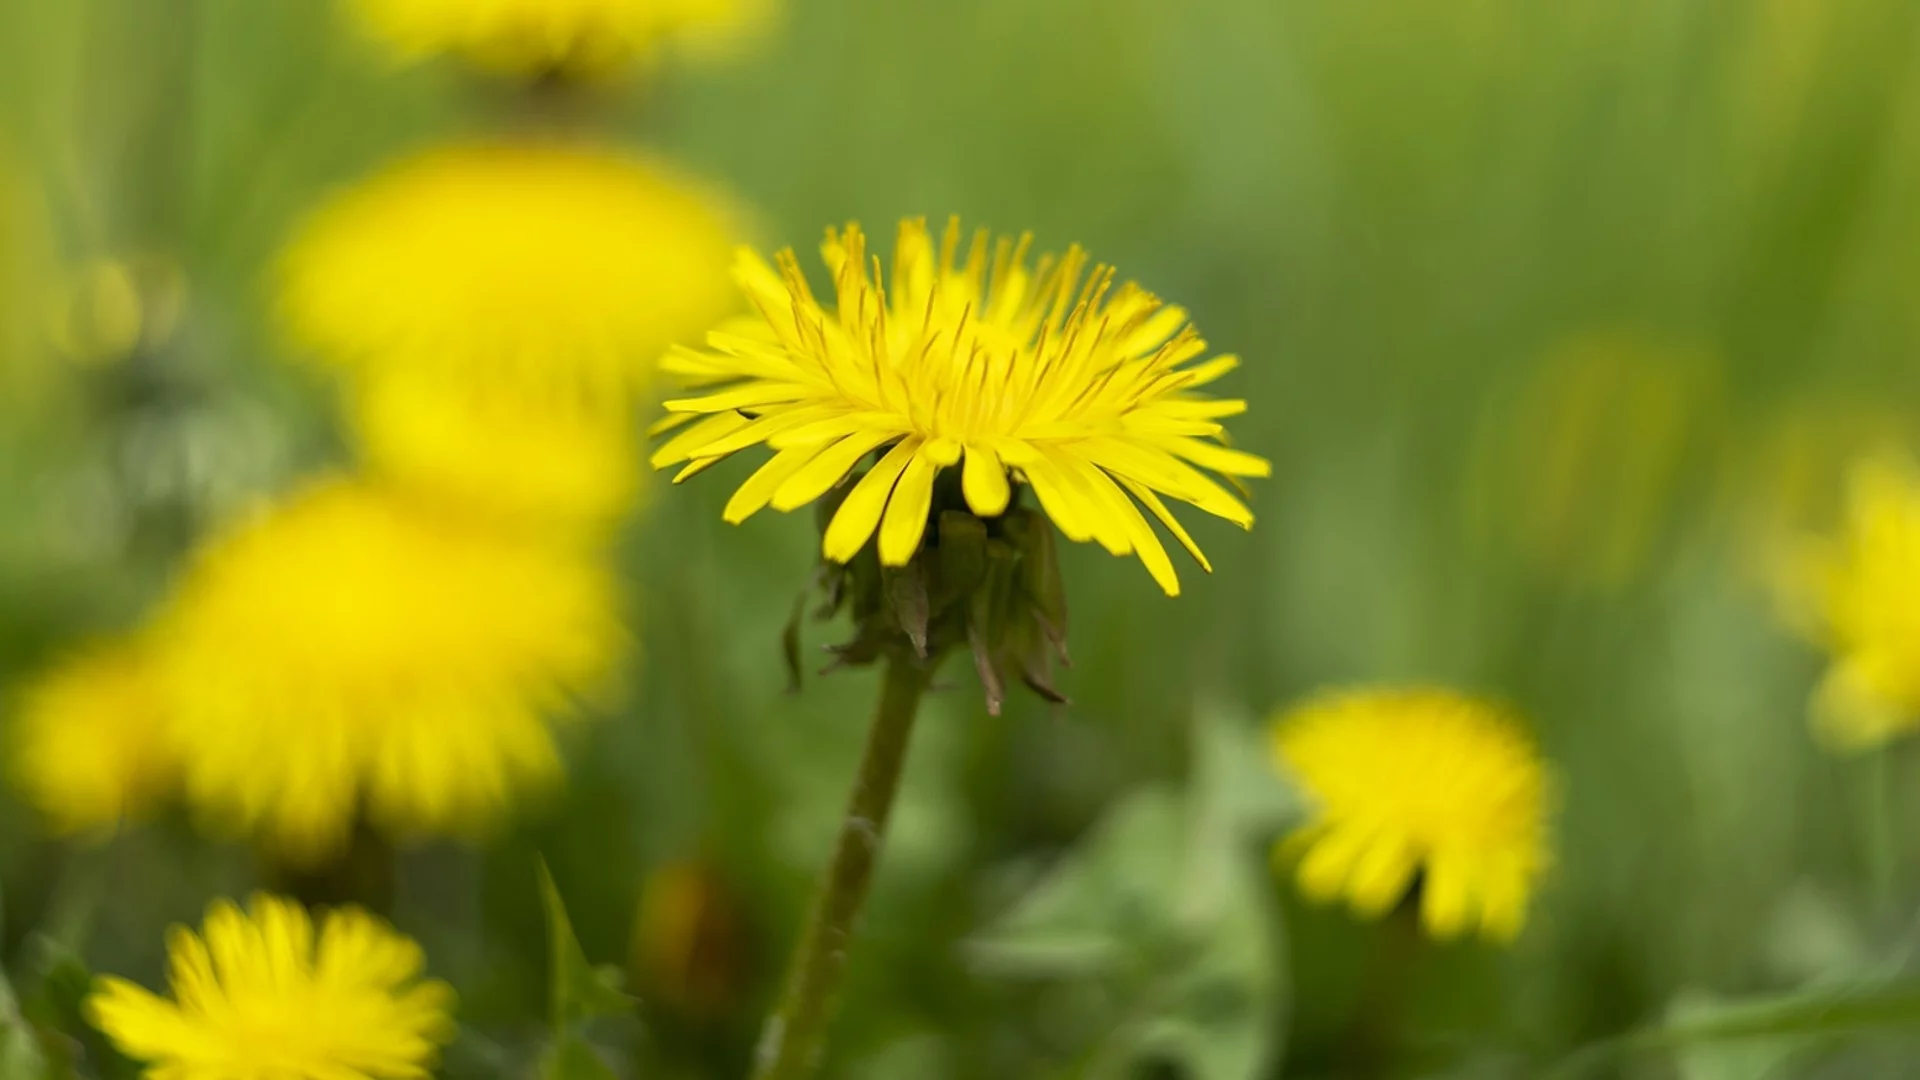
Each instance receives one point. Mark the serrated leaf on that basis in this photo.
(1220, 1018)
(579, 990)
(1167, 900)
(1084, 916)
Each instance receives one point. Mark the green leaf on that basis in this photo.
(21, 1055)
(1742, 1059)
(1890, 1006)
(580, 991)
(1220, 1018)
(1779, 1024)
(1084, 917)
(1167, 902)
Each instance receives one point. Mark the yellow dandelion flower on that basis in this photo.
(89, 743)
(1418, 787)
(1045, 375)
(535, 36)
(511, 458)
(347, 648)
(555, 271)
(1861, 591)
(258, 995)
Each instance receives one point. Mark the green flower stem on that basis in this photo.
(791, 1043)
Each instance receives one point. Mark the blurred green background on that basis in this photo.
(1556, 316)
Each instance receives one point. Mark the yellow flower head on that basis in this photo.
(1860, 593)
(347, 648)
(1419, 786)
(257, 997)
(513, 459)
(89, 746)
(1047, 375)
(529, 37)
(554, 271)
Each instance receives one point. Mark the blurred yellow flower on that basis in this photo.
(531, 37)
(1418, 786)
(1859, 592)
(1787, 478)
(348, 649)
(512, 459)
(257, 997)
(89, 746)
(554, 271)
(1083, 391)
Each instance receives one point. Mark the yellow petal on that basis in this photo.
(1156, 468)
(1153, 555)
(759, 488)
(824, 471)
(1380, 877)
(1159, 510)
(695, 468)
(906, 519)
(860, 514)
(752, 395)
(1221, 459)
(1058, 500)
(942, 452)
(761, 429)
(1109, 527)
(984, 480)
(1325, 869)
(1201, 374)
(680, 447)
(1503, 902)
(1446, 896)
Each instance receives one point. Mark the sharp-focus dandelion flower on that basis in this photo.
(89, 747)
(1420, 788)
(1859, 593)
(513, 460)
(533, 37)
(1047, 376)
(347, 649)
(557, 272)
(258, 995)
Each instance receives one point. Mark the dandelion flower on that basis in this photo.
(531, 37)
(257, 996)
(89, 745)
(513, 459)
(1418, 788)
(347, 648)
(1860, 594)
(1044, 375)
(553, 271)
